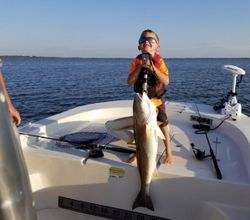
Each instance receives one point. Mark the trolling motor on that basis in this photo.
(229, 105)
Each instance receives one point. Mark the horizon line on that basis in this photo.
(76, 57)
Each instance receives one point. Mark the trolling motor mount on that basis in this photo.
(230, 105)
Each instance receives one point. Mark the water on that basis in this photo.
(41, 87)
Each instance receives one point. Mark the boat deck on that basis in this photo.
(226, 141)
(187, 189)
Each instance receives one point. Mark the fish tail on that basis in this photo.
(143, 200)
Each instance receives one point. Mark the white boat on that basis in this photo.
(67, 185)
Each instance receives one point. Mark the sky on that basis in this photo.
(111, 28)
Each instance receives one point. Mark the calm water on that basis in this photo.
(41, 87)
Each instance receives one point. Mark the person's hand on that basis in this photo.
(15, 115)
(145, 62)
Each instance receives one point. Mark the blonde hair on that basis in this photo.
(150, 31)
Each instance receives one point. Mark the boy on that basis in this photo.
(149, 44)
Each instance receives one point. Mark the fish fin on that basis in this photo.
(159, 133)
(157, 129)
(143, 201)
(156, 173)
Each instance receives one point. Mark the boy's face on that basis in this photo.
(149, 43)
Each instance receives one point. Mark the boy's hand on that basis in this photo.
(145, 63)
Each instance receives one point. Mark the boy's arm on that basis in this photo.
(162, 73)
(161, 76)
(135, 70)
(132, 77)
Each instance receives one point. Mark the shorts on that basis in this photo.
(162, 115)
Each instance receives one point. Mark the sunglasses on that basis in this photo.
(149, 39)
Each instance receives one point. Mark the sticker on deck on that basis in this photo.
(116, 172)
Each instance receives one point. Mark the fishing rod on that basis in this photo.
(83, 146)
(216, 166)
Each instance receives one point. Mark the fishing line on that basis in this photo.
(202, 131)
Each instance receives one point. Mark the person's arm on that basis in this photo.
(162, 74)
(133, 76)
(14, 113)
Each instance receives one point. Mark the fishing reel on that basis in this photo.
(199, 154)
(229, 105)
(145, 71)
(146, 79)
(146, 56)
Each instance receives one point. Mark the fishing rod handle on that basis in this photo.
(217, 169)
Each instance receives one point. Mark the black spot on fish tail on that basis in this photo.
(143, 200)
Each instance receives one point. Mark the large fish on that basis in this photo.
(15, 191)
(146, 133)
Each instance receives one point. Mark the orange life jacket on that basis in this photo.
(156, 89)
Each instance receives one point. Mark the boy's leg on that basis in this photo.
(162, 117)
(168, 148)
